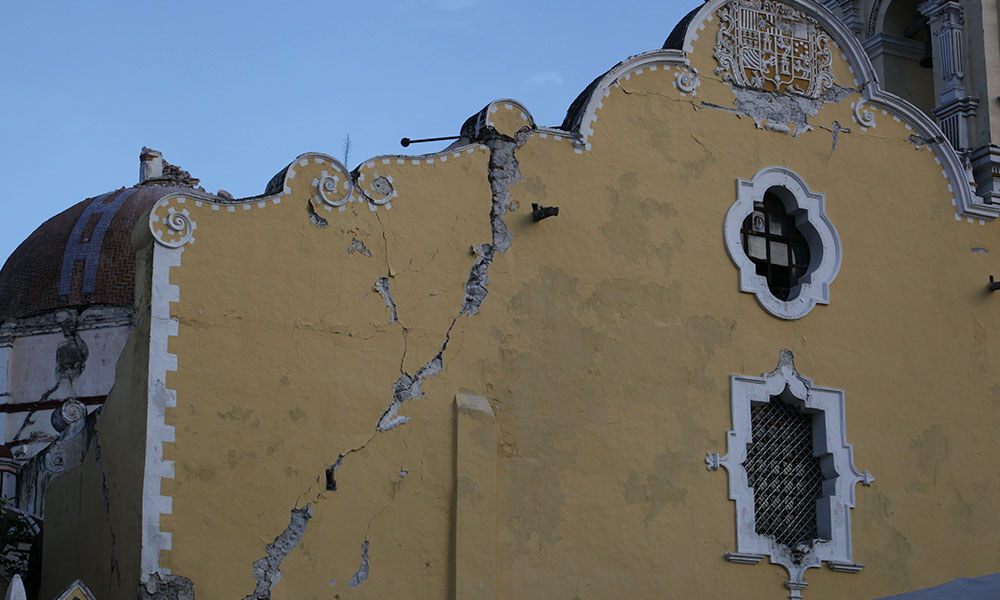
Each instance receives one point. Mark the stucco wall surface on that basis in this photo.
(33, 366)
(604, 346)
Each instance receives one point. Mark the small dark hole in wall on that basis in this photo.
(331, 480)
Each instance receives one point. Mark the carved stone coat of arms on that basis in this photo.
(768, 45)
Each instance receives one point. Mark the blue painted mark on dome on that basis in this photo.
(89, 251)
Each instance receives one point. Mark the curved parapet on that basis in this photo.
(832, 40)
(506, 116)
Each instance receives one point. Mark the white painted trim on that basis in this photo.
(162, 326)
(810, 217)
(327, 184)
(366, 174)
(836, 459)
(666, 57)
(484, 118)
(687, 81)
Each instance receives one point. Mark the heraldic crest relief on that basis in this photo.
(768, 45)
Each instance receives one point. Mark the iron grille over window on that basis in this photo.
(785, 476)
(791, 471)
(775, 245)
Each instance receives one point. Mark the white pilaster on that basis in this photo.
(955, 108)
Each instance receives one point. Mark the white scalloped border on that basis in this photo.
(158, 398)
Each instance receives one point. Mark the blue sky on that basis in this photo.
(232, 92)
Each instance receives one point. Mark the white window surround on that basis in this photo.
(836, 461)
(809, 210)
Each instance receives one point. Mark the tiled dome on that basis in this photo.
(81, 256)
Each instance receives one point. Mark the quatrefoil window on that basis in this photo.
(778, 235)
(774, 244)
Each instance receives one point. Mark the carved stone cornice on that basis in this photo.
(883, 43)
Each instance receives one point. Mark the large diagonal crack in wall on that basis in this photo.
(475, 286)
(408, 387)
(266, 571)
(504, 171)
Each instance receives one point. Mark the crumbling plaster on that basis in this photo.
(406, 346)
(55, 356)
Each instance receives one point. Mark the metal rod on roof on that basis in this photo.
(407, 141)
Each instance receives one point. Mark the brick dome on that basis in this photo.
(81, 256)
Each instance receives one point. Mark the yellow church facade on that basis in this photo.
(747, 358)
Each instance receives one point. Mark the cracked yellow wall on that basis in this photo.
(605, 347)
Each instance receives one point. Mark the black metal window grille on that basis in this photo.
(775, 245)
(785, 476)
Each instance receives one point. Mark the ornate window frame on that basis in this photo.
(836, 461)
(809, 209)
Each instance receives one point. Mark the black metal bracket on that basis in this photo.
(539, 212)
(407, 141)
(994, 285)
